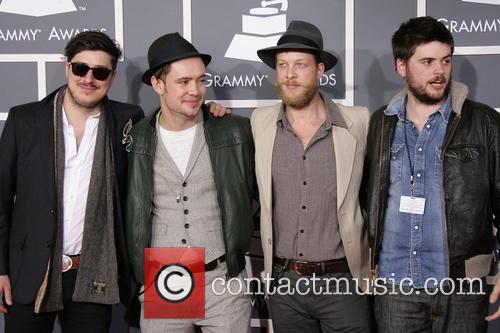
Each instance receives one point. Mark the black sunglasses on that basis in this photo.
(81, 69)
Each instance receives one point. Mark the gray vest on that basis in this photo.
(185, 208)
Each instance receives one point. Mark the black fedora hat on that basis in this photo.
(168, 48)
(299, 35)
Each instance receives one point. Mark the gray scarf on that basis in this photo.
(97, 278)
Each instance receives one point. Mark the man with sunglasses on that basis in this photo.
(62, 181)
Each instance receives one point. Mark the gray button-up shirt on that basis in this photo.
(305, 192)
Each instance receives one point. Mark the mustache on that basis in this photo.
(192, 99)
(439, 78)
(287, 82)
(89, 85)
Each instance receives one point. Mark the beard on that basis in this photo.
(299, 99)
(81, 102)
(421, 94)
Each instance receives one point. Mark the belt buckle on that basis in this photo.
(296, 267)
(67, 263)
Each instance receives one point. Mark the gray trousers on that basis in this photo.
(224, 313)
(314, 312)
(440, 313)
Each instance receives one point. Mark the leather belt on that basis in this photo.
(214, 263)
(318, 268)
(70, 262)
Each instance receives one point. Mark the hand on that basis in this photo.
(495, 294)
(5, 293)
(217, 110)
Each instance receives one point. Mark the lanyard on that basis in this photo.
(412, 170)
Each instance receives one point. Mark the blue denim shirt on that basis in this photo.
(415, 246)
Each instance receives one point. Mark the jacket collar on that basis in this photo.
(398, 108)
(344, 144)
(458, 91)
(204, 109)
(333, 115)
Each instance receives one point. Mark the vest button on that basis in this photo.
(186, 211)
(185, 198)
(183, 241)
(184, 184)
(186, 225)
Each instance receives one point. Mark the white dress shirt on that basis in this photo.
(77, 172)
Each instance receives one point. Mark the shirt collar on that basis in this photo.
(398, 106)
(446, 108)
(333, 117)
(66, 121)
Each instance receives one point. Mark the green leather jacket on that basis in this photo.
(231, 150)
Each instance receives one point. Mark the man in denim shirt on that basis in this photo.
(414, 245)
(433, 193)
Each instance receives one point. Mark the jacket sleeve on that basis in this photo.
(494, 152)
(8, 172)
(254, 186)
(138, 205)
(363, 190)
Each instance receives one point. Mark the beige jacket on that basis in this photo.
(350, 145)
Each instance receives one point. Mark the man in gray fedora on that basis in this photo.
(191, 184)
(309, 159)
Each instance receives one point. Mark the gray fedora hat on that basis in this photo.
(169, 48)
(299, 35)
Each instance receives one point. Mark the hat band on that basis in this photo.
(298, 39)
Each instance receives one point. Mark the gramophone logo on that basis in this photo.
(261, 28)
(37, 7)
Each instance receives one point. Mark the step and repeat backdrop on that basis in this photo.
(33, 35)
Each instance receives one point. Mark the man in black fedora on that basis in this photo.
(309, 159)
(191, 183)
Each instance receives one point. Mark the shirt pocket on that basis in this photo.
(397, 151)
(467, 162)
(464, 154)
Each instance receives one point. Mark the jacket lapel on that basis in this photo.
(198, 144)
(264, 159)
(345, 151)
(44, 119)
